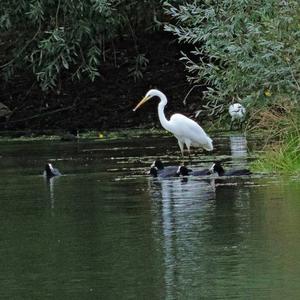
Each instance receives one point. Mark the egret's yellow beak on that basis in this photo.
(145, 99)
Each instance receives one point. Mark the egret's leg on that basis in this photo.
(181, 145)
(241, 124)
(231, 124)
(188, 146)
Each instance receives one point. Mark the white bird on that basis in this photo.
(187, 131)
(237, 112)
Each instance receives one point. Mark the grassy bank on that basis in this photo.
(281, 157)
(280, 127)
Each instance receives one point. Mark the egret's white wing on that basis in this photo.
(186, 129)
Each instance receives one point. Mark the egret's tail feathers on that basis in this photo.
(209, 146)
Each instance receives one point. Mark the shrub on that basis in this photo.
(59, 39)
(244, 48)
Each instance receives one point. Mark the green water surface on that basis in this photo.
(106, 230)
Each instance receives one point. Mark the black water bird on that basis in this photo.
(218, 168)
(158, 169)
(184, 171)
(50, 171)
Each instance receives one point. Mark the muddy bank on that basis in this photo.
(106, 103)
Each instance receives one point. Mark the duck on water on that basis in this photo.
(158, 169)
(50, 171)
(218, 169)
(184, 171)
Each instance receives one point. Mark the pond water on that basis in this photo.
(106, 230)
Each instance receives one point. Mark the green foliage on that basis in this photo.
(71, 39)
(248, 49)
(138, 67)
(244, 48)
(282, 136)
(281, 158)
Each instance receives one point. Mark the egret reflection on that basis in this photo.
(239, 150)
(180, 206)
(238, 146)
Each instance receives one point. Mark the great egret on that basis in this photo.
(184, 171)
(218, 168)
(187, 131)
(159, 170)
(237, 112)
(50, 171)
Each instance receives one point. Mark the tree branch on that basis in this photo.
(42, 114)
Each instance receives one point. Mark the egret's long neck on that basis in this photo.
(162, 118)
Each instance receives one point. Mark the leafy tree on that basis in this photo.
(245, 48)
(55, 39)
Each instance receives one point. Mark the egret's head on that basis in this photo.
(238, 106)
(148, 96)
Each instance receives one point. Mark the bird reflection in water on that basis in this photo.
(239, 150)
(50, 182)
(180, 205)
(51, 175)
(238, 147)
